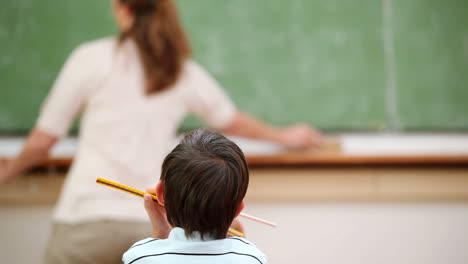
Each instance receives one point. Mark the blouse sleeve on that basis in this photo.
(208, 100)
(68, 93)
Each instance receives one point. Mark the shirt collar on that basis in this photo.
(178, 233)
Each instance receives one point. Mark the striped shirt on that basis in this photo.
(177, 248)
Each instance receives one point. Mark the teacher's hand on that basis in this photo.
(4, 177)
(301, 136)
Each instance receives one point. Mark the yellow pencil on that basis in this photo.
(124, 188)
(136, 192)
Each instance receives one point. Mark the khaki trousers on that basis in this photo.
(101, 242)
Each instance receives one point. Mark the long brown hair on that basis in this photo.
(161, 41)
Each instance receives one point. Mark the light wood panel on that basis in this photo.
(380, 184)
(359, 184)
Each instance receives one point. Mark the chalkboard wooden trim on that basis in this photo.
(332, 160)
(298, 159)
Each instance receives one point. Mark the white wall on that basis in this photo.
(24, 232)
(307, 233)
(363, 233)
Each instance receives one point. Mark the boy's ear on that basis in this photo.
(241, 207)
(160, 192)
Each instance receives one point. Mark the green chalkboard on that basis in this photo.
(36, 37)
(431, 44)
(336, 64)
(318, 61)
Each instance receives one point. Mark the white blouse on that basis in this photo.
(124, 134)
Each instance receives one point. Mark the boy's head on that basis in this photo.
(204, 181)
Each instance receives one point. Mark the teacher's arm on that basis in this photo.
(62, 105)
(297, 136)
(36, 149)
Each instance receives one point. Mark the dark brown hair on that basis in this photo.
(161, 41)
(205, 179)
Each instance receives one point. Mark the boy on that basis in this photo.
(201, 190)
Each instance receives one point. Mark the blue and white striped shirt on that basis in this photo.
(177, 248)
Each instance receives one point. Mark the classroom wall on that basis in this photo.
(351, 233)
(336, 64)
(363, 215)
